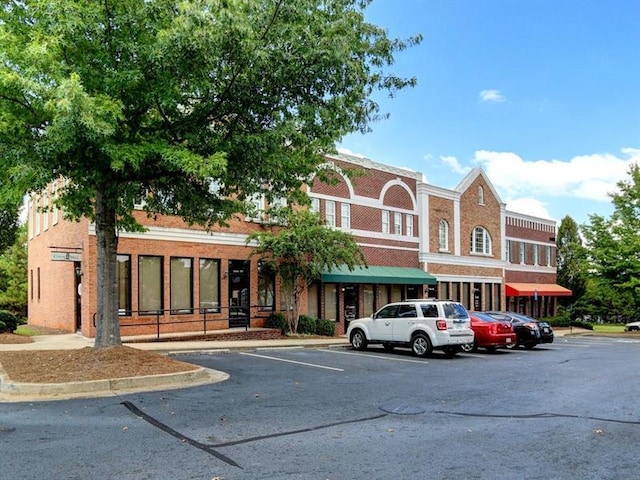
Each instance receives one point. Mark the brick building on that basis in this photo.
(419, 240)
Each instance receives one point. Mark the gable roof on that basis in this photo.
(471, 177)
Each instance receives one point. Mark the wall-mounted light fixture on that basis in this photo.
(78, 271)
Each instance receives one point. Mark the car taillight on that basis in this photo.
(441, 324)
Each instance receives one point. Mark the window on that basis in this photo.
(181, 285)
(548, 256)
(55, 212)
(209, 276)
(150, 292)
(429, 310)
(313, 300)
(315, 205)
(266, 286)
(368, 296)
(409, 222)
(345, 217)
(256, 208)
(385, 221)
(521, 252)
(507, 246)
(37, 213)
(31, 219)
(330, 301)
(396, 293)
(480, 195)
(330, 213)
(443, 236)
(407, 311)
(124, 284)
(536, 254)
(45, 211)
(480, 241)
(397, 223)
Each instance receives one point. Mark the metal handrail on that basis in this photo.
(161, 314)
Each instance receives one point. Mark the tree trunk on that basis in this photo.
(107, 320)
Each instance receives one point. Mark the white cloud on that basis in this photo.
(492, 96)
(529, 206)
(454, 164)
(586, 176)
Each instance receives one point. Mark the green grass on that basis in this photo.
(608, 328)
(26, 331)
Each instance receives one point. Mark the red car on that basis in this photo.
(491, 333)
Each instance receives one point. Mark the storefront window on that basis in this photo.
(209, 299)
(313, 300)
(330, 302)
(266, 286)
(368, 299)
(181, 285)
(150, 294)
(124, 284)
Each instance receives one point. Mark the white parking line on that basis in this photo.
(383, 357)
(292, 361)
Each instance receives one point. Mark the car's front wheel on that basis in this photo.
(421, 345)
(358, 340)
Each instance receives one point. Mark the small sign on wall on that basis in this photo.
(66, 257)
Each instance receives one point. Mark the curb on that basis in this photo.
(17, 391)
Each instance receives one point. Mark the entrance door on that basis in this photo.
(350, 304)
(239, 293)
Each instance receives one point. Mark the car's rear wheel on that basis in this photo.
(388, 347)
(529, 346)
(358, 340)
(421, 345)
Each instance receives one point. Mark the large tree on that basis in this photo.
(13, 275)
(193, 105)
(299, 251)
(571, 258)
(614, 245)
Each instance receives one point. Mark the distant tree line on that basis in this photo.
(600, 261)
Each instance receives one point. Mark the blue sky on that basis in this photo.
(544, 95)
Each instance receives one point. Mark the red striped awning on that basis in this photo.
(534, 289)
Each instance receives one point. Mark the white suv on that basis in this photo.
(422, 325)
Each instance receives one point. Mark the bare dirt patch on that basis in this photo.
(60, 366)
(12, 338)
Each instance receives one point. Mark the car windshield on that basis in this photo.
(454, 310)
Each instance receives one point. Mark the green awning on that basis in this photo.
(374, 274)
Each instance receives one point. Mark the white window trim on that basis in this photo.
(345, 215)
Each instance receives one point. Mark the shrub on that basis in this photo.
(307, 325)
(326, 328)
(3, 326)
(277, 320)
(9, 320)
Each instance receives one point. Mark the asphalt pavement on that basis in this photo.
(11, 391)
(19, 392)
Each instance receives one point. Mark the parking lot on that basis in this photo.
(560, 411)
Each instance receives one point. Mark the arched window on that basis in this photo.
(480, 241)
(443, 236)
(480, 195)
